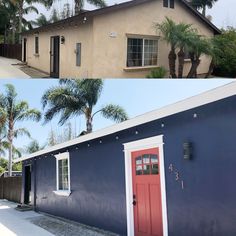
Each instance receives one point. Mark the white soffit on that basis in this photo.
(210, 96)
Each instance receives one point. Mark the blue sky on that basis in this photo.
(223, 11)
(136, 96)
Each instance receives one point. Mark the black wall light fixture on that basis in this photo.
(63, 39)
(188, 150)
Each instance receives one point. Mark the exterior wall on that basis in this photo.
(204, 207)
(138, 20)
(104, 56)
(73, 34)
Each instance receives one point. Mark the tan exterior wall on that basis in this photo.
(74, 34)
(104, 42)
(139, 20)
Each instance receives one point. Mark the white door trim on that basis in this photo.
(152, 142)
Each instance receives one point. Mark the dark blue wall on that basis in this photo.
(206, 205)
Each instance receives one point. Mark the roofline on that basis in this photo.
(115, 7)
(210, 96)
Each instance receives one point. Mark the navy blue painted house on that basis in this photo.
(171, 172)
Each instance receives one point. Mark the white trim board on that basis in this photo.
(153, 142)
(184, 105)
(62, 156)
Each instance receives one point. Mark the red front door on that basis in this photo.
(147, 193)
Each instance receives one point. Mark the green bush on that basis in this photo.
(160, 72)
(225, 53)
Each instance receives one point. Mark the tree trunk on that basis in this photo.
(13, 36)
(211, 68)
(10, 140)
(181, 63)
(89, 124)
(78, 6)
(193, 71)
(204, 10)
(172, 60)
(20, 20)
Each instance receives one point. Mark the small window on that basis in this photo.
(36, 50)
(78, 54)
(169, 3)
(142, 52)
(63, 172)
(146, 164)
(186, 54)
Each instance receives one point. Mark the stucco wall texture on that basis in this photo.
(104, 56)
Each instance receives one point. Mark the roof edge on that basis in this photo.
(204, 98)
(117, 7)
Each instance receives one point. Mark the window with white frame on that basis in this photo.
(142, 52)
(63, 172)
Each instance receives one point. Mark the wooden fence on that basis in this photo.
(10, 188)
(11, 51)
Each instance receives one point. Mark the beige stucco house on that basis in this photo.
(118, 41)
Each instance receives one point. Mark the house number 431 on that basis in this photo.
(176, 174)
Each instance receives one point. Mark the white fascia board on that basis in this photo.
(210, 96)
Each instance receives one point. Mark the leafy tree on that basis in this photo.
(41, 21)
(76, 97)
(79, 4)
(202, 4)
(54, 16)
(16, 111)
(34, 146)
(62, 135)
(223, 52)
(4, 166)
(66, 12)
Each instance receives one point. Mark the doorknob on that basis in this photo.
(134, 202)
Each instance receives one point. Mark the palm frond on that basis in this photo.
(114, 112)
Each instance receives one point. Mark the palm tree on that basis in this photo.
(76, 97)
(168, 30)
(184, 35)
(202, 4)
(16, 111)
(197, 47)
(25, 7)
(40, 21)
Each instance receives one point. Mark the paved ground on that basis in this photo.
(12, 68)
(15, 223)
(9, 69)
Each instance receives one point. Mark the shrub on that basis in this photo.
(160, 72)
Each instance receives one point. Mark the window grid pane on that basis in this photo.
(150, 52)
(135, 51)
(63, 174)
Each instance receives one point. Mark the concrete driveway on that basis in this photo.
(28, 223)
(15, 223)
(9, 69)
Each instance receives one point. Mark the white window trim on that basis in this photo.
(153, 142)
(144, 38)
(61, 156)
